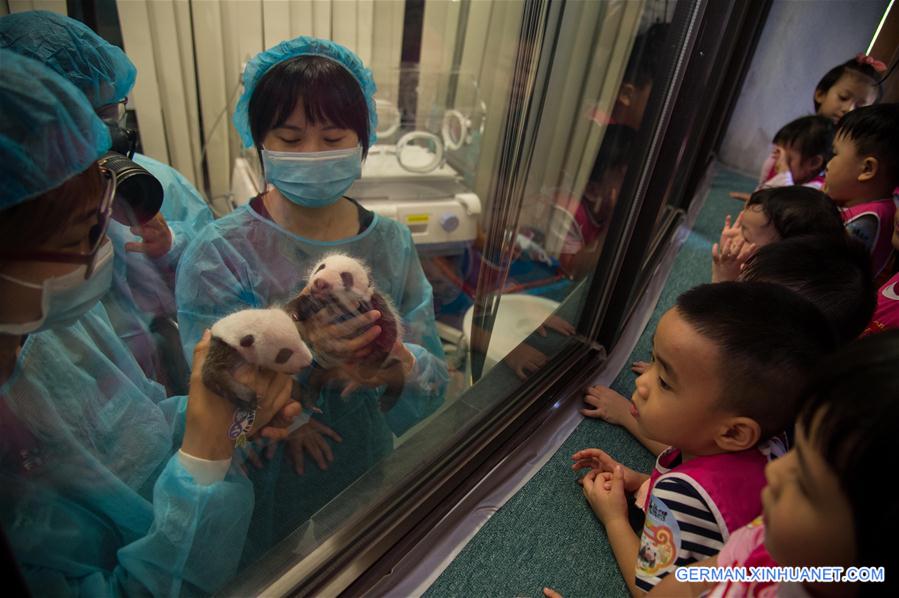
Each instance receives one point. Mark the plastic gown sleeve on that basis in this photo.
(193, 544)
(197, 535)
(425, 387)
(192, 548)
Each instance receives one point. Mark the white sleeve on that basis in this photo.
(204, 471)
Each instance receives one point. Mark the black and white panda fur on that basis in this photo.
(267, 338)
(343, 285)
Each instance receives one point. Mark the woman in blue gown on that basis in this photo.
(308, 108)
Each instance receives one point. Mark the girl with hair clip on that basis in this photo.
(308, 109)
(108, 486)
(845, 87)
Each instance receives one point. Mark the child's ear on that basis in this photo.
(816, 163)
(626, 94)
(738, 434)
(870, 166)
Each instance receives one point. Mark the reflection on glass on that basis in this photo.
(591, 217)
(590, 222)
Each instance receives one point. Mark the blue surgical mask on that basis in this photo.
(64, 299)
(313, 179)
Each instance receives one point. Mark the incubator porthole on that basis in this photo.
(388, 118)
(420, 151)
(455, 129)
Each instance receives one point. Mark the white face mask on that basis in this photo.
(64, 299)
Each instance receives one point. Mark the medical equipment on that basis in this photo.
(434, 203)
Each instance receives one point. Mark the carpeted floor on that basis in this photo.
(546, 535)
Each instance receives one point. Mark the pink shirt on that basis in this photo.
(692, 507)
(746, 548)
(886, 314)
(731, 483)
(589, 227)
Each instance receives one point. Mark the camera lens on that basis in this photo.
(138, 193)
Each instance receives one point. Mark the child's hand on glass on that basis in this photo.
(732, 231)
(599, 460)
(261, 449)
(727, 263)
(606, 404)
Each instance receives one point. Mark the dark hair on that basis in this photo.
(852, 408)
(328, 91)
(810, 135)
(614, 151)
(646, 56)
(852, 65)
(33, 222)
(875, 132)
(834, 274)
(798, 210)
(769, 339)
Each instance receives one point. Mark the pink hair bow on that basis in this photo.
(875, 64)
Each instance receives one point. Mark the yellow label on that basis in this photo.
(412, 218)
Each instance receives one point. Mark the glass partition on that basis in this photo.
(508, 169)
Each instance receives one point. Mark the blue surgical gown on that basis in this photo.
(245, 260)
(143, 288)
(102, 505)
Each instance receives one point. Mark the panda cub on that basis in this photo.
(267, 338)
(343, 286)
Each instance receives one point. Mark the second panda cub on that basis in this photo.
(339, 288)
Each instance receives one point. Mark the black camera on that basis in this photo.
(138, 193)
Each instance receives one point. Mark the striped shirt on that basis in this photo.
(680, 529)
(684, 523)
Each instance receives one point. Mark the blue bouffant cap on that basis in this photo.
(48, 130)
(100, 70)
(303, 46)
